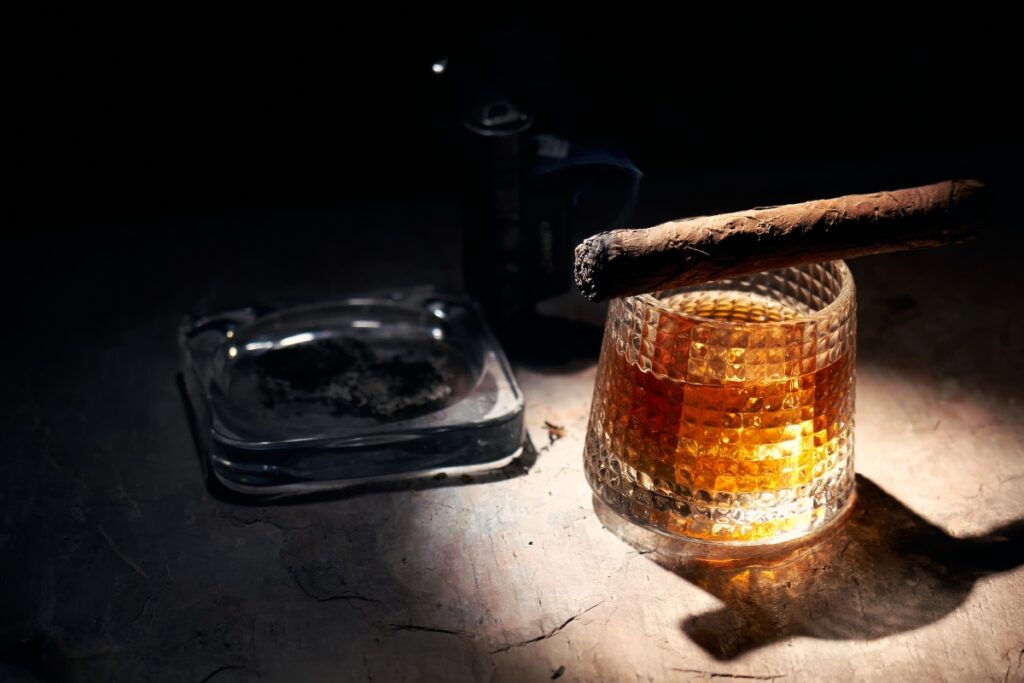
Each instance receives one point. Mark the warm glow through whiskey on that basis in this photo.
(750, 444)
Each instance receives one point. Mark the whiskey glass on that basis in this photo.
(723, 412)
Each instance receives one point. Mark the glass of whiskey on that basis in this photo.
(723, 412)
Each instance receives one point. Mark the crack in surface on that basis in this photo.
(220, 670)
(722, 674)
(430, 629)
(331, 598)
(127, 560)
(347, 596)
(1009, 669)
(277, 525)
(545, 636)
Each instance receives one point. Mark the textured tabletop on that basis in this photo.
(120, 565)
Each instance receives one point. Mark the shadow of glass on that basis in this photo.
(884, 570)
(519, 466)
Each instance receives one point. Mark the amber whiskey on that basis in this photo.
(725, 415)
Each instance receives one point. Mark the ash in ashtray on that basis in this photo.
(346, 377)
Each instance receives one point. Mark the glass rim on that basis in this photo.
(842, 299)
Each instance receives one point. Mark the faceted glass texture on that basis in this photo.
(724, 412)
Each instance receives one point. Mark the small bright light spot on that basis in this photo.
(296, 339)
(439, 66)
(372, 324)
(259, 346)
(229, 334)
(232, 351)
(437, 333)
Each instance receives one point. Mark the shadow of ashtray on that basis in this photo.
(360, 391)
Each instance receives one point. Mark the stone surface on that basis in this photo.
(120, 565)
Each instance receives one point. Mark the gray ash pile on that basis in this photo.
(347, 377)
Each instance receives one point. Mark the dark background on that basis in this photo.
(144, 114)
(157, 153)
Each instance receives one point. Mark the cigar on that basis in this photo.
(694, 250)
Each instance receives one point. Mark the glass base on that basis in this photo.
(714, 518)
(682, 551)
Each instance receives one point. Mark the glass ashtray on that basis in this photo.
(359, 390)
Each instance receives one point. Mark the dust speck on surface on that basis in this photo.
(555, 432)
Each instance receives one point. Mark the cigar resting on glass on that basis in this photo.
(694, 250)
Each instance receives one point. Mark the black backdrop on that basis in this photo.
(138, 114)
